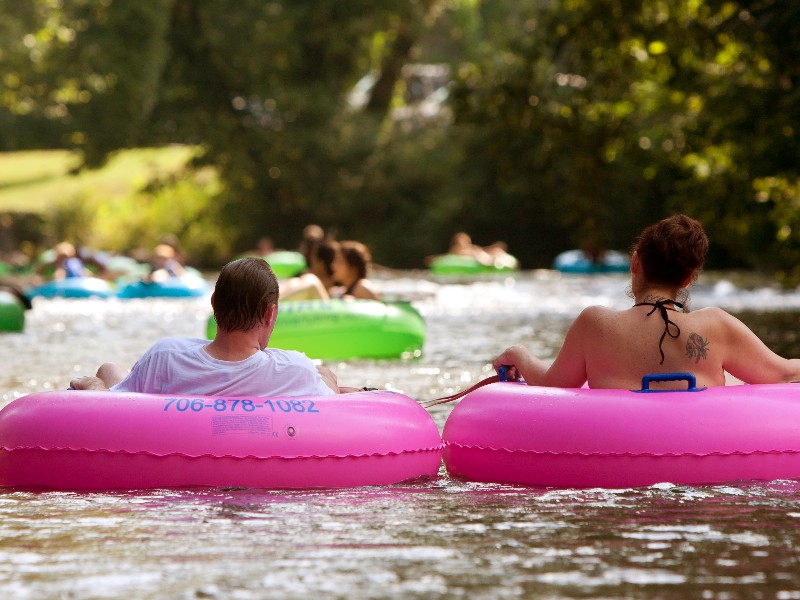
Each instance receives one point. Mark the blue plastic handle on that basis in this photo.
(656, 377)
(502, 372)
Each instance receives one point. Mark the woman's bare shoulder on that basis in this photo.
(596, 315)
(711, 313)
(596, 311)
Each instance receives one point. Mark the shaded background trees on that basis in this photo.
(622, 112)
(561, 122)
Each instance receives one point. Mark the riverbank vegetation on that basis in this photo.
(135, 199)
(546, 124)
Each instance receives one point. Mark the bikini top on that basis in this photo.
(661, 306)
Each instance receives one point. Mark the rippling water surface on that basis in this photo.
(440, 538)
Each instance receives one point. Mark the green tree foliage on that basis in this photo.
(90, 68)
(594, 118)
(265, 88)
(262, 87)
(572, 120)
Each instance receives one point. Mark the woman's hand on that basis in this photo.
(524, 365)
(516, 357)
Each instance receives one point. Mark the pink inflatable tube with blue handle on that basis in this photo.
(538, 436)
(105, 440)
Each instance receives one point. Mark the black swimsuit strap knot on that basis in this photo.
(661, 306)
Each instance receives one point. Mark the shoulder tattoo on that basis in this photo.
(697, 347)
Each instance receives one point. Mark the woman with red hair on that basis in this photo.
(616, 348)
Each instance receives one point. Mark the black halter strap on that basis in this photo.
(661, 306)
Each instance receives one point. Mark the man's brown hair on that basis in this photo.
(245, 289)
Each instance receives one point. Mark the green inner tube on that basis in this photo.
(346, 329)
(456, 264)
(284, 263)
(12, 312)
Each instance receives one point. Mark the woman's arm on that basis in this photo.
(749, 359)
(365, 290)
(568, 369)
(527, 366)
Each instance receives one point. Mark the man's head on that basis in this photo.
(245, 290)
(164, 251)
(64, 250)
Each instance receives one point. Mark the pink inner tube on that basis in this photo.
(513, 433)
(105, 440)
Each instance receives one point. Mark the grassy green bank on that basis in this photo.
(138, 197)
(37, 181)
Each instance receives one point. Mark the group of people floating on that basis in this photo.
(461, 244)
(65, 260)
(245, 305)
(603, 348)
(333, 270)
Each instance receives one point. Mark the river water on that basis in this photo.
(425, 539)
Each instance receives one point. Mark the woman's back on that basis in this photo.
(615, 349)
(622, 346)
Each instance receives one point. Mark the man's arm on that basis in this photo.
(329, 377)
(88, 382)
(109, 374)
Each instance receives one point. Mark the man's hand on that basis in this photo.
(88, 383)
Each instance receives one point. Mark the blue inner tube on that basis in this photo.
(72, 287)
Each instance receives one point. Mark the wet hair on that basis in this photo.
(672, 250)
(325, 251)
(357, 255)
(245, 289)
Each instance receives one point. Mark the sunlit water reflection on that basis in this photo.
(440, 538)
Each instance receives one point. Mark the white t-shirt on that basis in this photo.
(182, 366)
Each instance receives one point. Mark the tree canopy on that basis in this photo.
(564, 122)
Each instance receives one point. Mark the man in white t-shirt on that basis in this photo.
(237, 361)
